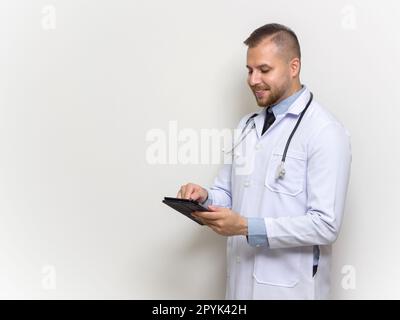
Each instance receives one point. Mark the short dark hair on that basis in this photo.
(281, 35)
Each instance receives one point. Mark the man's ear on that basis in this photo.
(295, 65)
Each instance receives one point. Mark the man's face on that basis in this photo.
(270, 76)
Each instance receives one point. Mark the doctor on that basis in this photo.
(281, 200)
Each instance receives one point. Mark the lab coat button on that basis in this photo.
(258, 146)
(237, 259)
(247, 183)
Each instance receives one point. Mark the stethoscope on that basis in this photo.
(280, 171)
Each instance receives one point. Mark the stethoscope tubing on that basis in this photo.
(281, 169)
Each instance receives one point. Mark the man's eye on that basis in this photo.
(264, 71)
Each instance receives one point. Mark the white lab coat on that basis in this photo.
(303, 209)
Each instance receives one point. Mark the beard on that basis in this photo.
(272, 95)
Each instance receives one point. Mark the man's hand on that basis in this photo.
(223, 221)
(192, 191)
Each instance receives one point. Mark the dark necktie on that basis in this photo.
(269, 119)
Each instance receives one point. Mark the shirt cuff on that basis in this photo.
(257, 232)
(209, 200)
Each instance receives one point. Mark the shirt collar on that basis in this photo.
(283, 106)
(299, 104)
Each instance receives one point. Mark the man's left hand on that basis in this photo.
(223, 221)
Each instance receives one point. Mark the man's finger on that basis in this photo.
(183, 190)
(188, 191)
(208, 223)
(195, 195)
(206, 215)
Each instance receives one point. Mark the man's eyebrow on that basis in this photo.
(260, 66)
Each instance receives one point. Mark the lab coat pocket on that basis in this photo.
(278, 267)
(292, 182)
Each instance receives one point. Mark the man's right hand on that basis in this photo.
(193, 191)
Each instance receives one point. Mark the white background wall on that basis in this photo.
(83, 82)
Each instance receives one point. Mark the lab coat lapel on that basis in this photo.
(259, 122)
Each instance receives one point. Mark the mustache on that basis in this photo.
(260, 88)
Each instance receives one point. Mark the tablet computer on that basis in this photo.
(185, 206)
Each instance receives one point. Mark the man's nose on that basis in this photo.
(254, 78)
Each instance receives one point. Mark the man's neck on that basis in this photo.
(293, 89)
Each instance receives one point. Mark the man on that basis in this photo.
(281, 216)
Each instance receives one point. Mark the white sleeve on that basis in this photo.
(220, 193)
(328, 171)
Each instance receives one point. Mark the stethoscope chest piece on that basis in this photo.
(280, 171)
